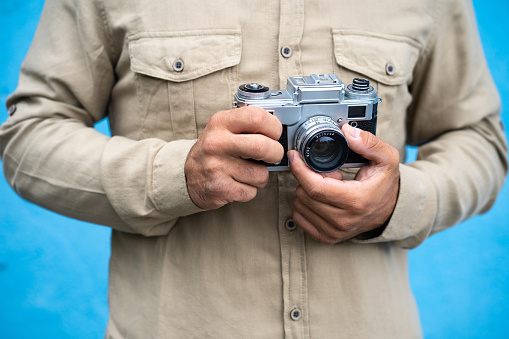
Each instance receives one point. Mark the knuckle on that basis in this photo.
(323, 239)
(394, 156)
(217, 119)
(348, 225)
(299, 192)
(211, 168)
(358, 206)
(257, 117)
(261, 176)
(210, 146)
(316, 192)
(216, 188)
(258, 148)
(244, 194)
(258, 174)
(372, 141)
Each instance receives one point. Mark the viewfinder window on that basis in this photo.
(356, 112)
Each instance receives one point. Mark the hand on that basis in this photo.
(217, 170)
(331, 210)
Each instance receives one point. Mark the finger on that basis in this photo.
(250, 173)
(369, 146)
(318, 221)
(243, 193)
(306, 177)
(311, 230)
(255, 146)
(214, 194)
(252, 120)
(333, 175)
(324, 208)
(320, 187)
(233, 191)
(335, 209)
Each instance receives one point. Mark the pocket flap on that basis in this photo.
(374, 54)
(199, 53)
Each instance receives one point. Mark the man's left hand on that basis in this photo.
(332, 210)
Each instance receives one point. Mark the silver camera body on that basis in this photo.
(312, 110)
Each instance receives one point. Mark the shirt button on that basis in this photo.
(286, 51)
(295, 314)
(291, 225)
(12, 109)
(178, 65)
(389, 69)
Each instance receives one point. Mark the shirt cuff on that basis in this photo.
(412, 218)
(169, 171)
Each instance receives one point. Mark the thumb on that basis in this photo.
(369, 146)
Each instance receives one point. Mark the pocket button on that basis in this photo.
(389, 69)
(178, 65)
(12, 110)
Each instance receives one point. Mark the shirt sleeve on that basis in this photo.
(455, 121)
(52, 155)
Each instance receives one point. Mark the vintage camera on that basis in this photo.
(312, 111)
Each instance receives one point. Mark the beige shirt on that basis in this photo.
(241, 271)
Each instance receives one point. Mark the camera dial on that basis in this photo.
(321, 144)
(360, 84)
(360, 89)
(253, 90)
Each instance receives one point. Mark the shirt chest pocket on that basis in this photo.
(183, 78)
(388, 62)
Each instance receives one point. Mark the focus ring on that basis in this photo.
(321, 144)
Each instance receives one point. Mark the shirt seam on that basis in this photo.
(437, 20)
(107, 28)
(184, 34)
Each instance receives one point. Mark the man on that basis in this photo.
(205, 242)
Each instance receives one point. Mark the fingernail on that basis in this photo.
(354, 132)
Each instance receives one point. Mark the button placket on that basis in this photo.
(293, 249)
(293, 257)
(291, 28)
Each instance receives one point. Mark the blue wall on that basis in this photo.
(54, 271)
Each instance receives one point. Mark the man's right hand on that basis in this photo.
(218, 170)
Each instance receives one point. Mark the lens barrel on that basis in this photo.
(321, 144)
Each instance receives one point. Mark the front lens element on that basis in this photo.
(324, 149)
(321, 144)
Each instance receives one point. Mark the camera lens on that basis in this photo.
(321, 144)
(324, 149)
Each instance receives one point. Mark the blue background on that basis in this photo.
(54, 271)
